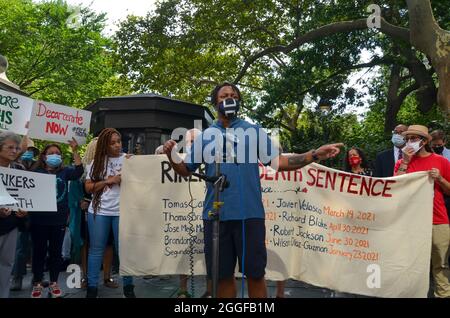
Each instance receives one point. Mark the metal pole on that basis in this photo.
(215, 234)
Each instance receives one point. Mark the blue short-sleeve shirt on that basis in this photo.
(243, 145)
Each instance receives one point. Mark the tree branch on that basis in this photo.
(321, 32)
(374, 62)
(408, 91)
(29, 81)
(269, 119)
(39, 89)
(422, 24)
(279, 62)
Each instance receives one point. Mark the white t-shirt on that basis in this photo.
(110, 199)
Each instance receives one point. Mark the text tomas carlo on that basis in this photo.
(333, 180)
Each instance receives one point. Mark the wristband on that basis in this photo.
(314, 156)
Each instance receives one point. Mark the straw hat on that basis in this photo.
(30, 144)
(417, 130)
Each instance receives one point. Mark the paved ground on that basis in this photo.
(167, 287)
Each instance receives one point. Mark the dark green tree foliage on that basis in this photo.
(53, 61)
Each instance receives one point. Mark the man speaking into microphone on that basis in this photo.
(242, 214)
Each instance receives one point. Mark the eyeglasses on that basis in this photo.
(13, 148)
(413, 138)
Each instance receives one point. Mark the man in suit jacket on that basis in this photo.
(385, 162)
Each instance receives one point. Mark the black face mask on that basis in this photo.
(229, 107)
(439, 150)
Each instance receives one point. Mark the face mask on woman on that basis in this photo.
(27, 156)
(354, 161)
(53, 161)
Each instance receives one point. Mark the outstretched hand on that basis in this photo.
(73, 144)
(329, 151)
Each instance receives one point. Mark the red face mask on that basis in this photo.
(354, 161)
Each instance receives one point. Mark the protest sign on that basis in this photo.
(59, 123)
(326, 227)
(32, 191)
(15, 112)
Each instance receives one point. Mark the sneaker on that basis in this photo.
(91, 292)
(54, 291)
(206, 295)
(16, 284)
(128, 291)
(110, 283)
(83, 283)
(37, 291)
(184, 294)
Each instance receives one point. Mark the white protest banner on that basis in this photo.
(33, 191)
(59, 123)
(15, 112)
(332, 229)
(5, 198)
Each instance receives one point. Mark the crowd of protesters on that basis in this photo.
(85, 227)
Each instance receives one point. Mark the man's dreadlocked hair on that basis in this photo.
(99, 169)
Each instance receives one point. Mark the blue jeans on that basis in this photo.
(98, 237)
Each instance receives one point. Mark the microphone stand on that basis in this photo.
(220, 183)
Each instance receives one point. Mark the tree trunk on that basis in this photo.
(393, 103)
(395, 99)
(426, 94)
(429, 38)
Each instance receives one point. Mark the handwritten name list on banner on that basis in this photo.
(59, 123)
(326, 227)
(15, 112)
(163, 246)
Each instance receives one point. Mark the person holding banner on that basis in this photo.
(103, 181)
(242, 215)
(108, 256)
(10, 220)
(48, 228)
(418, 156)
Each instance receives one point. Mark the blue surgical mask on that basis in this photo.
(27, 156)
(53, 161)
(229, 107)
(398, 140)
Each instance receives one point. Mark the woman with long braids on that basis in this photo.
(103, 181)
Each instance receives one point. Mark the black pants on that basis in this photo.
(47, 238)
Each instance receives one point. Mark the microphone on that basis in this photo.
(213, 180)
